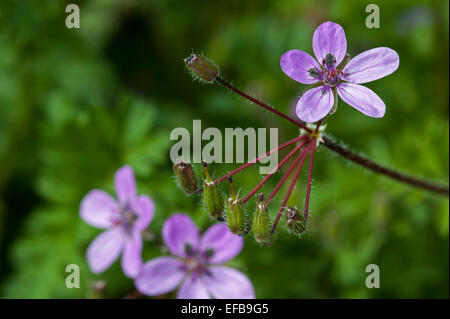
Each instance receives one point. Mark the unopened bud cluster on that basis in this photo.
(230, 209)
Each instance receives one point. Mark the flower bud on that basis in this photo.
(212, 197)
(295, 222)
(261, 223)
(236, 217)
(185, 176)
(202, 68)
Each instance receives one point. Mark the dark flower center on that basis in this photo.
(329, 74)
(332, 76)
(126, 219)
(196, 262)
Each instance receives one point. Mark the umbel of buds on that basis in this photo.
(202, 68)
(295, 221)
(261, 222)
(185, 177)
(236, 217)
(212, 197)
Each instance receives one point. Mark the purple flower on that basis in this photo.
(123, 220)
(195, 266)
(330, 46)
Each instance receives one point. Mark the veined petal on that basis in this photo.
(193, 288)
(105, 249)
(329, 37)
(99, 209)
(159, 276)
(371, 65)
(224, 244)
(362, 99)
(296, 63)
(315, 104)
(131, 256)
(145, 209)
(178, 232)
(125, 185)
(228, 283)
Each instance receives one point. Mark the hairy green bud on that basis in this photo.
(236, 217)
(185, 176)
(261, 223)
(295, 221)
(212, 197)
(202, 68)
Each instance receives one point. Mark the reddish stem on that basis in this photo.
(302, 156)
(256, 160)
(266, 178)
(286, 175)
(308, 187)
(267, 107)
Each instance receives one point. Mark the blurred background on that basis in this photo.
(76, 104)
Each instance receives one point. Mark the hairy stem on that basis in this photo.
(302, 156)
(345, 152)
(267, 107)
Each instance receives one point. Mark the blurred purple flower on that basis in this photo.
(124, 221)
(330, 46)
(196, 267)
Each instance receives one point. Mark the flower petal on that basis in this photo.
(125, 185)
(159, 276)
(105, 249)
(362, 99)
(225, 245)
(329, 37)
(296, 63)
(228, 283)
(98, 209)
(131, 257)
(145, 209)
(315, 104)
(371, 65)
(193, 288)
(178, 231)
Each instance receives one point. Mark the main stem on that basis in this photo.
(267, 107)
(341, 150)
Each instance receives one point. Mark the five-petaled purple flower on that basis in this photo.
(330, 46)
(124, 221)
(195, 265)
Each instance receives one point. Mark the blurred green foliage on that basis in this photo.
(76, 104)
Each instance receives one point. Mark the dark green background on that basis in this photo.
(77, 104)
